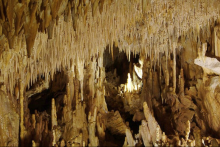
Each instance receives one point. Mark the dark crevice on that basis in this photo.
(120, 63)
(42, 101)
(113, 140)
(134, 126)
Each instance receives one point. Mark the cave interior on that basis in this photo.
(109, 73)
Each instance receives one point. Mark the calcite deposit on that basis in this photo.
(109, 73)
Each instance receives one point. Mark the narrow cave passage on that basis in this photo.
(117, 69)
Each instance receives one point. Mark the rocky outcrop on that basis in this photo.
(210, 102)
(209, 65)
(9, 130)
(115, 123)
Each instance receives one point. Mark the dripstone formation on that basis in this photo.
(109, 73)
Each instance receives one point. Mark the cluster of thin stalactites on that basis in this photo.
(139, 26)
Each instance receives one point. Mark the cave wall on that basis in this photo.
(9, 130)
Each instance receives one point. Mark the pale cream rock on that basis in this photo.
(138, 70)
(145, 133)
(94, 141)
(209, 65)
(217, 40)
(187, 130)
(129, 138)
(152, 124)
(80, 67)
(164, 138)
(54, 138)
(211, 100)
(125, 142)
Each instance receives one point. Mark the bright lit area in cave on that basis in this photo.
(109, 73)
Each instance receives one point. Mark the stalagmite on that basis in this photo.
(187, 130)
(80, 70)
(53, 113)
(94, 141)
(174, 68)
(21, 98)
(68, 98)
(164, 138)
(129, 86)
(54, 138)
(144, 131)
(158, 133)
(181, 82)
(62, 144)
(129, 138)
(33, 121)
(154, 128)
(33, 143)
(100, 127)
(53, 120)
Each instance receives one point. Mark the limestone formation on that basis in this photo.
(109, 72)
(129, 138)
(93, 139)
